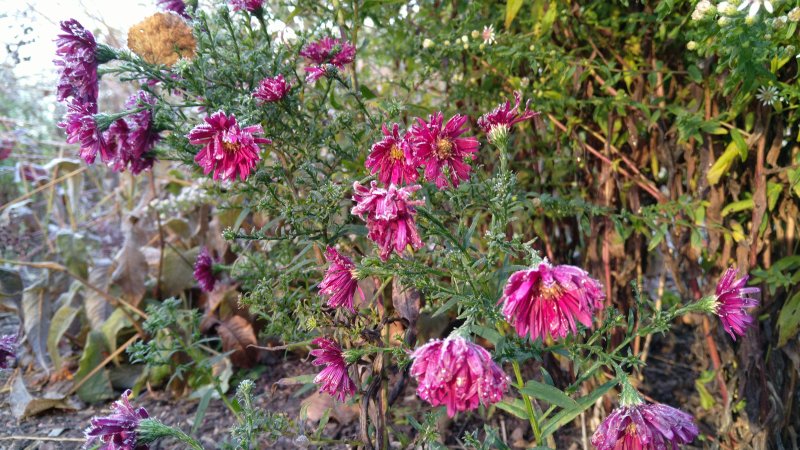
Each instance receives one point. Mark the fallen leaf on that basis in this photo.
(407, 302)
(37, 310)
(130, 265)
(237, 336)
(23, 404)
(98, 387)
(316, 405)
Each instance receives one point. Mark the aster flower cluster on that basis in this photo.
(118, 430)
(204, 270)
(457, 374)
(327, 54)
(272, 89)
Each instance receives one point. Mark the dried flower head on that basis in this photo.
(442, 150)
(392, 158)
(204, 270)
(334, 378)
(8, 350)
(228, 150)
(389, 214)
(118, 430)
(733, 299)
(458, 374)
(162, 39)
(272, 89)
(549, 300)
(132, 139)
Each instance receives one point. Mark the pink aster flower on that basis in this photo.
(441, 149)
(330, 51)
(636, 425)
(8, 350)
(248, 5)
(392, 158)
(77, 64)
(133, 138)
(333, 379)
(340, 283)
(458, 374)
(81, 128)
(228, 150)
(204, 270)
(117, 431)
(389, 214)
(272, 89)
(176, 6)
(502, 118)
(732, 302)
(549, 300)
(327, 55)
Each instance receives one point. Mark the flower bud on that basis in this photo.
(427, 43)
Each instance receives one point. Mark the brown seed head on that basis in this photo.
(162, 39)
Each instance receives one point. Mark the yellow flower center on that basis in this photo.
(230, 147)
(550, 290)
(444, 148)
(396, 153)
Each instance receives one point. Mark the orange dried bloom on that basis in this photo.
(162, 39)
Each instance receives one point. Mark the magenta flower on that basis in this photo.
(317, 72)
(340, 282)
(733, 301)
(645, 426)
(249, 5)
(176, 6)
(441, 149)
(228, 150)
(327, 54)
(389, 214)
(502, 118)
(392, 158)
(548, 300)
(458, 374)
(333, 379)
(6, 147)
(8, 350)
(330, 51)
(204, 270)
(117, 431)
(77, 64)
(272, 89)
(133, 138)
(81, 128)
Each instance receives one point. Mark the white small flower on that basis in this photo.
(464, 39)
(447, 43)
(475, 34)
(524, 82)
(794, 14)
(755, 5)
(726, 9)
(723, 21)
(466, 46)
(703, 9)
(488, 35)
(769, 95)
(427, 43)
(691, 45)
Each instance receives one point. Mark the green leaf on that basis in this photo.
(514, 407)
(61, 321)
(789, 320)
(98, 387)
(565, 416)
(112, 326)
(741, 145)
(512, 8)
(547, 393)
(741, 205)
(722, 164)
(706, 399)
(367, 93)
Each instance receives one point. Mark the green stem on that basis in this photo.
(537, 432)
